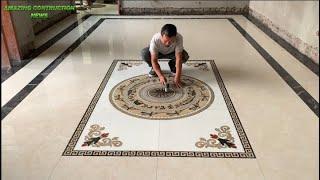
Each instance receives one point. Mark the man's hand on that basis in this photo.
(177, 79)
(163, 80)
(177, 82)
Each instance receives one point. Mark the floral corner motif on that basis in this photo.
(96, 138)
(126, 65)
(201, 66)
(221, 139)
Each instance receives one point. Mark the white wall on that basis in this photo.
(39, 24)
(300, 19)
(23, 27)
(26, 27)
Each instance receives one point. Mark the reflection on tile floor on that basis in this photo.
(115, 118)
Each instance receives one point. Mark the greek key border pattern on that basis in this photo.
(248, 151)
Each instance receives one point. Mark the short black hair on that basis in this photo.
(169, 30)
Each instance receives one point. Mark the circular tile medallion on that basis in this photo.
(144, 97)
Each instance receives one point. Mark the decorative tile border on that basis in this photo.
(126, 65)
(248, 152)
(200, 66)
(164, 154)
(185, 11)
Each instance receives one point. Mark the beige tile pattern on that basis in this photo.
(282, 130)
(111, 168)
(104, 114)
(30, 161)
(55, 29)
(207, 169)
(24, 76)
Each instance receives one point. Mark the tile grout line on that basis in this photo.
(157, 165)
(42, 48)
(54, 168)
(260, 168)
(291, 82)
(13, 102)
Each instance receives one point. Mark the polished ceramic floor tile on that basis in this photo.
(30, 161)
(207, 169)
(274, 118)
(106, 168)
(49, 33)
(21, 78)
(300, 72)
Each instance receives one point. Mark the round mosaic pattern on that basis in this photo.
(144, 97)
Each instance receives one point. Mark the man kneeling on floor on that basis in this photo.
(166, 45)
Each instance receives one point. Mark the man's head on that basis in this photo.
(168, 34)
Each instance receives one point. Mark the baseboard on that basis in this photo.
(185, 11)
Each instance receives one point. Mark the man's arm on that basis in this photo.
(177, 78)
(157, 69)
(178, 50)
(178, 64)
